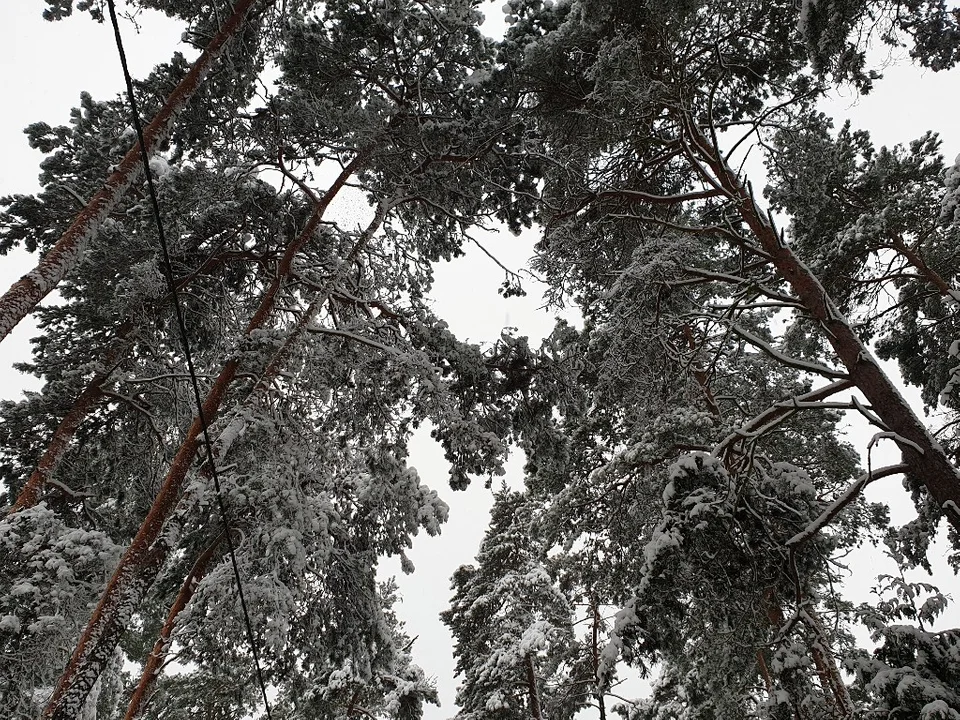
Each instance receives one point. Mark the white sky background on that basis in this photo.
(44, 67)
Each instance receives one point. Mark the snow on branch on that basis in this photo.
(352, 336)
(796, 363)
(844, 499)
(639, 196)
(778, 412)
(898, 439)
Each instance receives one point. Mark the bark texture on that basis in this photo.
(158, 655)
(533, 692)
(29, 290)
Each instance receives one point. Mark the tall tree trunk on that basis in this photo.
(533, 691)
(29, 290)
(158, 655)
(595, 656)
(930, 465)
(148, 551)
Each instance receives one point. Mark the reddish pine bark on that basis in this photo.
(60, 441)
(30, 289)
(30, 493)
(152, 668)
(927, 460)
(141, 562)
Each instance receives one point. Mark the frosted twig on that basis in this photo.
(842, 500)
(351, 336)
(804, 365)
(66, 490)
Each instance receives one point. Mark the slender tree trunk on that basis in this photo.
(823, 673)
(920, 265)
(930, 465)
(147, 552)
(30, 493)
(700, 375)
(29, 290)
(826, 664)
(595, 656)
(533, 692)
(764, 670)
(154, 664)
(795, 691)
(87, 400)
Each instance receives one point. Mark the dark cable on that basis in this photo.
(172, 287)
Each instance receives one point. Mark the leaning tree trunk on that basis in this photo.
(154, 664)
(143, 559)
(85, 402)
(928, 462)
(29, 290)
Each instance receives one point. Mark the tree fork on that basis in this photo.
(920, 450)
(24, 295)
(142, 560)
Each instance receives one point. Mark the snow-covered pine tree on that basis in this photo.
(683, 278)
(511, 624)
(879, 226)
(316, 350)
(678, 436)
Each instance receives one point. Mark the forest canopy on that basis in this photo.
(197, 500)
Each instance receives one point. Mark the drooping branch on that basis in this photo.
(24, 295)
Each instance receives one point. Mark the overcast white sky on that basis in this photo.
(44, 67)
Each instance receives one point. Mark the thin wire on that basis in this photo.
(172, 287)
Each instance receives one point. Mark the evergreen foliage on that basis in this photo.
(688, 495)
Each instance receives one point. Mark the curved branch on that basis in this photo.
(844, 499)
